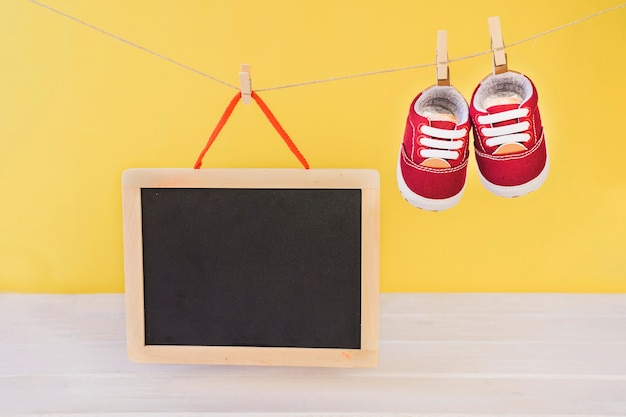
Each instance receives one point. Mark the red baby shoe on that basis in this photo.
(509, 140)
(432, 164)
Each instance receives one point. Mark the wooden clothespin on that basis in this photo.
(497, 45)
(443, 72)
(245, 81)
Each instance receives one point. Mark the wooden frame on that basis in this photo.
(134, 180)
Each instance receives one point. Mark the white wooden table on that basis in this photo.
(441, 355)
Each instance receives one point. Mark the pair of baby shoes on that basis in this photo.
(509, 142)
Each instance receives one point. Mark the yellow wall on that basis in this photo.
(77, 108)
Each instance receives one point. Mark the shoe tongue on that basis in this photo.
(443, 124)
(499, 108)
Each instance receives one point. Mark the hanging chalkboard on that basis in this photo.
(252, 266)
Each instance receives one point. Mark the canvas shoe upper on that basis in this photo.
(432, 164)
(509, 140)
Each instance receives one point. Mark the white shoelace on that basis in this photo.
(442, 143)
(513, 133)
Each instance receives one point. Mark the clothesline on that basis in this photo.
(325, 80)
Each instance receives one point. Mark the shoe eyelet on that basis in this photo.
(419, 150)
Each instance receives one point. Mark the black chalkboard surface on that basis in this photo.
(252, 266)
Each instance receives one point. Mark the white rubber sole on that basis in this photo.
(430, 204)
(517, 190)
